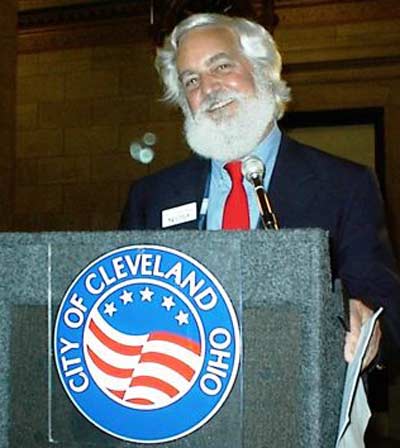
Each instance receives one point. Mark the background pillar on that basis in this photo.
(8, 45)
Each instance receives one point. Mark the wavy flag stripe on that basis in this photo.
(145, 370)
(169, 361)
(176, 339)
(112, 344)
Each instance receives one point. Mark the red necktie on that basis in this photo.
(236, 210)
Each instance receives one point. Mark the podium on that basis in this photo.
(288, 388)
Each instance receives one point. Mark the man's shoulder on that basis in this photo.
(176, 172)
(188, 175)
(170, 187)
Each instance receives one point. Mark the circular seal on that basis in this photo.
(147, 344)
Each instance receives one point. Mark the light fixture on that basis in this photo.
(143, 151)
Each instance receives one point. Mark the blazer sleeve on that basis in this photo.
(134, 213)
(365, 260)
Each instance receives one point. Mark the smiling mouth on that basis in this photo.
(220, 105)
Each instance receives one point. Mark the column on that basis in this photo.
(8, 46)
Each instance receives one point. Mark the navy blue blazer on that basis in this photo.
(309, 188)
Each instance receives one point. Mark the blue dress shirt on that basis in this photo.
(220, 182)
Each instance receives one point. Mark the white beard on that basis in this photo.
(229, 137)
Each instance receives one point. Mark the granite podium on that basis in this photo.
(289, 386)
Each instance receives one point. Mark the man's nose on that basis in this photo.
(210, 84)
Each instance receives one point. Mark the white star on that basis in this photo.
(126, 297)
(110, 309)
(182, 318)
(146, 294)
(168, 302)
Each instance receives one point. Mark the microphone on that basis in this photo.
(253, 170)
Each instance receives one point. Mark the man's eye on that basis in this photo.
(190, 83)
(224, 66)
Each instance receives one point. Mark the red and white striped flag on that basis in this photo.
(141, 371)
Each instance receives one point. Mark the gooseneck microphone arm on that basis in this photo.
(253, 170)
(268, 217)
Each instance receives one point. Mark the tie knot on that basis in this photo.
(235, 170)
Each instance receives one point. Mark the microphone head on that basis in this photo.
(253, 168)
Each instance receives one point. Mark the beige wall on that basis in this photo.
(8, 43)
(352, 63)
(352, 142)
(78, 111)
(361, 71)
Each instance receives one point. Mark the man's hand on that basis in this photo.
(359, 313)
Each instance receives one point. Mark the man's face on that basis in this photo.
(210, 63)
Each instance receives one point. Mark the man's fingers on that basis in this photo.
(360, 313)
(373, 347)
(350, 345)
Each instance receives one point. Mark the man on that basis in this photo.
(225, 74)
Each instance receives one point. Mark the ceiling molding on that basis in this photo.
(79, 13)
(342, 64)
(296, 3)
(41, 4)
(113, 32)
(107, 22)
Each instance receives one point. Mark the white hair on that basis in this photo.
(257, 46)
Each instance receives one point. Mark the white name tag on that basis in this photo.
(178, 215)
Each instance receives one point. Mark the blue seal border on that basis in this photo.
(234, 322)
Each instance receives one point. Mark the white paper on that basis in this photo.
(355, 412)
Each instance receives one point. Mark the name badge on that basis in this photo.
(178, 215)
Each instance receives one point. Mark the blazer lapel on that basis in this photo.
(293, 188)
(190, 187)
(293, 185)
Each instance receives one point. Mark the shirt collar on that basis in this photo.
(266, 151)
